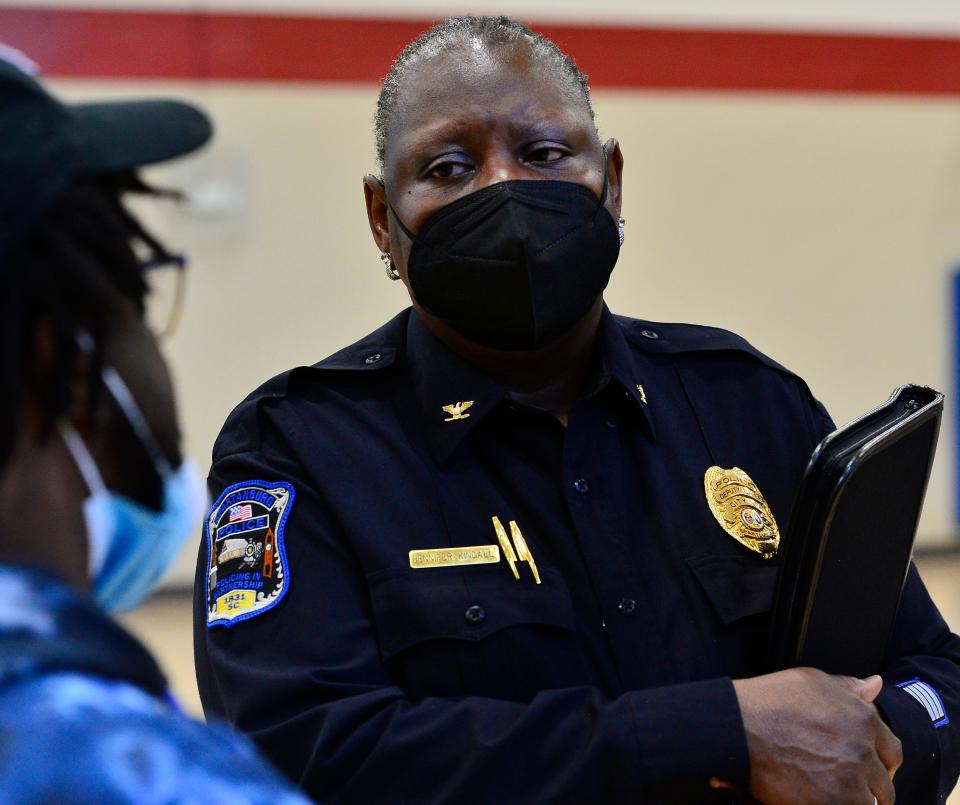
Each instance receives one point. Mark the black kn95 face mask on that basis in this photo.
(514, 265)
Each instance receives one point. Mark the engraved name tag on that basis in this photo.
(452, 557)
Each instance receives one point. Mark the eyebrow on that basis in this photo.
(540, 125)
(521, 122)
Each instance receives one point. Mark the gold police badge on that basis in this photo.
(741, 510)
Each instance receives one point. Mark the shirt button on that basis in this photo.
(627, 607)
(653, 335)
(581, 486)
(475, 615)
(611, 422)
(375, 358)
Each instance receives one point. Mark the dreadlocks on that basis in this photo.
(458, 31)
(68, 268)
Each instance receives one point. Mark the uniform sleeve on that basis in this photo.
(305, 680)
(921, 697)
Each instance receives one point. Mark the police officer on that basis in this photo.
(96, 498)
(472, 557)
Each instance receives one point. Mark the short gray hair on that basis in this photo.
(458, 31)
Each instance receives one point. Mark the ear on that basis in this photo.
(44, 359)
(375, 198)
(614, 176)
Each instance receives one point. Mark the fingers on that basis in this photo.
(870, 688)
(881, 784)
(867, 689)
(889, 749)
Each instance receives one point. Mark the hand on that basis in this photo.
(816, 738)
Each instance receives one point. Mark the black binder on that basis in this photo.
(848, 544)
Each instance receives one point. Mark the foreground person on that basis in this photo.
(96, 494)
(471, 558)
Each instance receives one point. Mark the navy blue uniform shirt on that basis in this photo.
(367, 679)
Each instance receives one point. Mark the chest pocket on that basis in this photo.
(739, 591)
(475, 631)
(737, 587)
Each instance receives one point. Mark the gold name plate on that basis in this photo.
(452, 557)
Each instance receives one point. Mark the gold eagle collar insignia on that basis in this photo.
(456, 410)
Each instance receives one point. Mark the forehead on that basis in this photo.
(475, 84)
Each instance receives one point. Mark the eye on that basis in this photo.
(547, 153)
(447, 168)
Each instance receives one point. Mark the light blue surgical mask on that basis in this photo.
(130, 546)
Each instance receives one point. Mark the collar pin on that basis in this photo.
(456, 410)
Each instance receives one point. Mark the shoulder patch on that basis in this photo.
(246, 562)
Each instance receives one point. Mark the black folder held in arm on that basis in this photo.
(850, 537)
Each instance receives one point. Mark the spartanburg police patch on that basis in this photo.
(246, 562)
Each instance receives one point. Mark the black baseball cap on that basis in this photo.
(45, 144)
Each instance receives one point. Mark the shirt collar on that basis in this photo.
(442, 381)
(454, 397)
(623, 366)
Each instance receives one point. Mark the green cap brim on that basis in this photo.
(115, 137)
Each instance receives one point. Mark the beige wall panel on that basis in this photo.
(821, 229)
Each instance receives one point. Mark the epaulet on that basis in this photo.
(370, 354)
(670, 338)
(373, 352)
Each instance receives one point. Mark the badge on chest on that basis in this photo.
(741, 510)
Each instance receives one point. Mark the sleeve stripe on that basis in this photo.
(927, 697)
(934, 702)
(926, 700)
(922, 696)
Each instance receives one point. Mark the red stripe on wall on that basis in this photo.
(139, 44)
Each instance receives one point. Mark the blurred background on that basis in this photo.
(792, 174)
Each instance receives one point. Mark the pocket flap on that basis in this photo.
(413, 606)
(738, 587)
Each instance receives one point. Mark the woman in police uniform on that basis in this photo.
(494, 573)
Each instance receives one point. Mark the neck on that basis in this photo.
(42, 494)
(551, 377)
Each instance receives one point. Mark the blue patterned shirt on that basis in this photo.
(85, 717)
